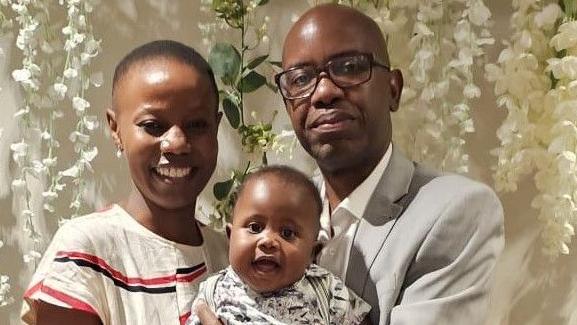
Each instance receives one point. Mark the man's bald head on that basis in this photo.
(333, 18)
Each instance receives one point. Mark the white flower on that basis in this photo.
(80, 104)
(31, 256)
(565, 68)
(1, 243)
(566, 37)
(471, 91)
(479, 14)
(21, 75)
(90, 122)
(70, 73)
(71, 172)
(97, 79)
(18, 186)
(89, 155)
(548, 16)
(60, 90)
(49, 195)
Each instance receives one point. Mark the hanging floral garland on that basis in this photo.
(36, 179)
(536, 82)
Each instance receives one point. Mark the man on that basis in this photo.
(418, 246)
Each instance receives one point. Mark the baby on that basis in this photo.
(270, 279)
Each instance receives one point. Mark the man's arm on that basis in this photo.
(449, 280)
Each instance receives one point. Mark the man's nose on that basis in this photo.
(268, 242)
(326, 92)
(178, 142)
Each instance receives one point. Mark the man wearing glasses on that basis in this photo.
(420, 247)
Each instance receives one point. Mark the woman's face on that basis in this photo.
(165, 99)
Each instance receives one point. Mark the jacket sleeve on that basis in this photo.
(449, 279)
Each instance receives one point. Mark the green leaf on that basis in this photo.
(221, 189)
(272, 87)
(256, 62)
(261, 2)
(224, 60)
(231, 111)
(252, 82)
(276, 63)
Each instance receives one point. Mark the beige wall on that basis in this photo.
(529, 289)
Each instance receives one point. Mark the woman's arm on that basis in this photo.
(49, 314)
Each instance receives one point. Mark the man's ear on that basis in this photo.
(396, 84)
(218, 117)
(228, 229)
(111, 118)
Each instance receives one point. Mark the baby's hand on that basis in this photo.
(206, 316)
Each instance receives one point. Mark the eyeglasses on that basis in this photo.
(344, 71)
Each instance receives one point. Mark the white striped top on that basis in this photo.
(108, 264)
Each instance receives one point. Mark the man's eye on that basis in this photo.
(300, 79)
(152, 127)
(288, 233)
(348, 67)
(254, 227)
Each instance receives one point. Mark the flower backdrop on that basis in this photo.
(440, 45)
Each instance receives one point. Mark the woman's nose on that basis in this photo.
(175, 141)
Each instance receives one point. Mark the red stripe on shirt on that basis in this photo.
(163, 280)
(192, 276)
(183, 318)
(73, 302)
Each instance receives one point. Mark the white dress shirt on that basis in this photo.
(337, 243)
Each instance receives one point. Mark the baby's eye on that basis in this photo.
(152, 127)
(255, 227)
(288, 233)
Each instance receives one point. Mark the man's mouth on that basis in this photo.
(173, 172)
(335, 120)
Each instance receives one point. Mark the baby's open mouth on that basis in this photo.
(266, 264)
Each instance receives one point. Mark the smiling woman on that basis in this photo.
(143, 264)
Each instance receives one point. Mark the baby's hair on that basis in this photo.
(287, 174)
(163, 49)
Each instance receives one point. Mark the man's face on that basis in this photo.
(164, 99)
(273, 234)
(342, 128)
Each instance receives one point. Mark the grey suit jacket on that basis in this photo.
(433, 263)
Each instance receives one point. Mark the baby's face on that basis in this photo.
(164, 99)
(273, 234)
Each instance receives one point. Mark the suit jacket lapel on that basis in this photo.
(378, 220)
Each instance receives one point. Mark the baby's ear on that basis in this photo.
(228, 229)
(316, 250)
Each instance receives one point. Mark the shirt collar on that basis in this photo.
(357, 201)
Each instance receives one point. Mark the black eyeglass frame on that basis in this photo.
(325, 68)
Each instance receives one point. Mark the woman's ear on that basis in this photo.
(111, 118)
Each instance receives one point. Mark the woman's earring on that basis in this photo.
(118, 152)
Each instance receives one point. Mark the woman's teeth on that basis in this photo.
(173, 171)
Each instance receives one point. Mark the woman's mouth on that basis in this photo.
(173, 172)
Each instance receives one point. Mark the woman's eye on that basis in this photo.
(197, 125)
(287, 233)
(254, 227)
(152, 127)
